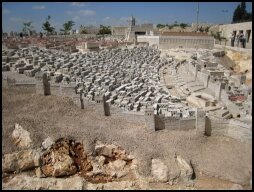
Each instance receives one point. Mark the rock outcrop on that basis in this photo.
(21, 161)
(159, 170)
(24, 182)
(186, 170)
(178, 171)
(47, 143)
(58, 161)
(21, 137)
(218, 53)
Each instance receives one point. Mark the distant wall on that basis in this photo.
(173, 42)
(227, 29)
(231, 128)
(55, 89)
(26, 85)
(172, 123)
(132, 117)
(152, 40)
(67, 91)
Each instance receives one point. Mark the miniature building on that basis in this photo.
(179, 40)
(132, 31)
(149, 118)
(200, 122)
(103, 106)
(42, 84)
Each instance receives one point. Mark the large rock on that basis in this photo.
(29, 159)
(127, 185)
(174, 172)
(185, 168)
(47, 143)
(112, 151)
(117, 168)
(98, 168)
(24, 182)
(105, 150)
(21, 161)
(10, 162)
(159, 170)
(63, 165)
(21, 137)
(236, 187)
(218, 53)
(57, 160)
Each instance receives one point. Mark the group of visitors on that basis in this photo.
(239, 39)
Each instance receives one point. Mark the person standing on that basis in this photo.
(237, 39)
(244, 40)
(241, 39)
(232, 39)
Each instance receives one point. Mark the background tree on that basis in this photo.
(170, 26)
(82, 29)
(67, 27)
(240, 14)
(160, 26)
(27, 29)
(104, 30)
(183, 25)
(200, 29)
(207, 29)
(218, 37)
(47, 26)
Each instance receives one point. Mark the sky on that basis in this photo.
(114, 13)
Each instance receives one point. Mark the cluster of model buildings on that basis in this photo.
(128, 78)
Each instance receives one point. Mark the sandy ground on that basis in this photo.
(55, 116)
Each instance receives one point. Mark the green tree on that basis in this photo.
(170, 26)
(46, 26)
(104, 30)
(183, 25)
(207, 29)
(27, 28)
(160, 26)
(200, 29)
(218, 37)
(67, 27)
(82, 30)
(240, 14)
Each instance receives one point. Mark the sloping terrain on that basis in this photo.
(58, 117)
(243, 63)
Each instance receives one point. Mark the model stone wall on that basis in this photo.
(246, 27)
(27, 85)
(172, 123)
(152, 40)
(173, 42)
(55, 89)
(68, 90)
(159, 122)
(203, 77)
(230, 128)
